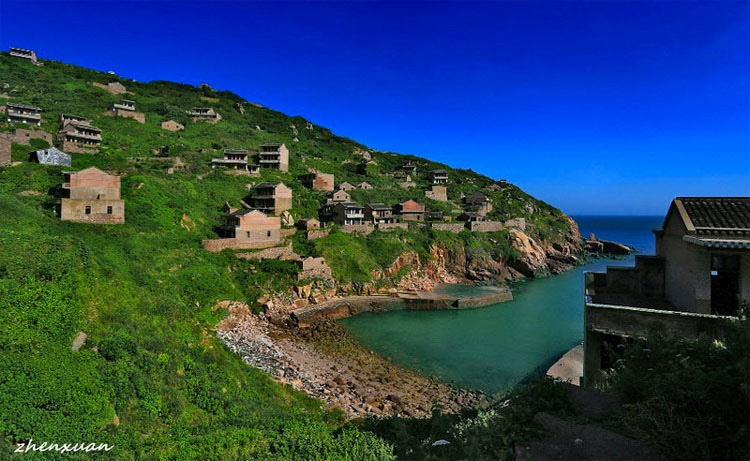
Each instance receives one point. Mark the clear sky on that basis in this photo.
(596, 107)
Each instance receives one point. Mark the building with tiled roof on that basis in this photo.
(699, 275)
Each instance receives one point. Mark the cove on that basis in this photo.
(495, 347)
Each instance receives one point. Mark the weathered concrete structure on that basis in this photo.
(323, 182)
(308, 224)
(449, 227)
(24, 53)
(699, 275)
(409, 167)
(78, 135)
(92, 196)
(204, 114)
(410, 210)
(345, 186)
(340, 196)
(439, 193)
(274, 156)
(50, 156)
(364, 185)
(379, 213)
(235, 159)
(272, 197)
(313, 268)
(19, 113)
(126, 108)
(348, 214)
(439, 177)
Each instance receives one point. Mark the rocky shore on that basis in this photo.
(328, 363)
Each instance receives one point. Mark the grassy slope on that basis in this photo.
(143, 291)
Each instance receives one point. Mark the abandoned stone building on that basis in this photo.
(50, 156)
(126, 108)
(308, 224)
(115, 88)
(340, 196)
(204, 114)
(479, 202)
(364, 185)
(318, 181)
(91, 196)
(235, 159)
(438, 193)
(439, 177)
(699, 275)
(252, 226)
(345, 186)
(470, 216)
(171, 125)
(272, 197)
(274, 156)
(78, 135)
(24, 53)
(313, 268)
(379, 213)
(348, 214)
(24, 136)
(409, 167)
(20, 113)
(411, 210)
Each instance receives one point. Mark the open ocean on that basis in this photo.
(496, 347)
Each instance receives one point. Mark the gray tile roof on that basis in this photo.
(718, 215)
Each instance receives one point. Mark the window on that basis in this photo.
(248, 234)
(109, 210)
(268, 233)
(88, 209)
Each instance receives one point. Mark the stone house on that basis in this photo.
(204, 114)
(308, 224)
(274, 156)
(345, 186)
(470, 216)
(24, 136)
(478, 201)
(411, 210)
(439, 177)
(23, 53)
(126, 108)
(171, 125)
(235, 159)
(348, 214)
(340, 196)
(91, 196)
(19, 113)
(78, 135)
(50, 156)
(699, 274)
(379, 213)
(313, 268)
(272, 197)
(438, 193)
(252, 226)
(364, 185)
(318, 181)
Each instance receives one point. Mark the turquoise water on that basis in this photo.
(496, 347)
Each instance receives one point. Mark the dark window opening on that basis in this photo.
(88, 210)
(725, 284)
(109, 210)
(268, 233)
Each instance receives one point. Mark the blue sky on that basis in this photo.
(596, 107)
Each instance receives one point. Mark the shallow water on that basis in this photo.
(496, 347)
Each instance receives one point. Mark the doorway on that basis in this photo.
(725, 284)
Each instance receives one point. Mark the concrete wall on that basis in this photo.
(75, 210)
(257, 227)
(94, 185)
(439, 193)
(449, 227)
(687, 270)
(22, 136)
(362, 228)
(486, 226)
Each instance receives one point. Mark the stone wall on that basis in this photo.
(486, 226)
(449, 227)
(171, 125)
(439, 193)
(284, 253)
(516, 223)
(362, 229)
(137, 116)
(288, 232)
(71, 147)
(388, 227)
(314, 268)
(216, 245)
(22, 136)
(317, 234)
(4, 151)
(75, 210)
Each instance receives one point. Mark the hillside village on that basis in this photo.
(356, 197)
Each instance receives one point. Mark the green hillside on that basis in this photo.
(152, 379)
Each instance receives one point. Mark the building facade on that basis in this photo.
(252, 226)
(323, 182)
(272, 198)
(23, 53)
(379, 213)
(19, 113)
(411, 210)
(92, 196)
(348, 214)
(699, 275)
(78, 135)
(439, 177)
(274, 156)
(235, 159)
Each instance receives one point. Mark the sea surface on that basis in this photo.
(496, 347)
